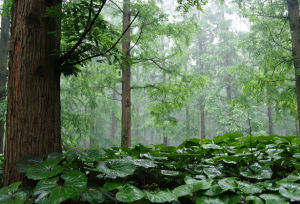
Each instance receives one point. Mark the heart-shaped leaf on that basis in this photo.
(256, 171)
(56, 190)
(160, 197)
(129, 193)
(116, 168)
(11, 195)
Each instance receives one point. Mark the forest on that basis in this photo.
(149, 101)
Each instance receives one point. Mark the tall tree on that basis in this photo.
(270, 120)
(294, 20)
(33, 104)
(126, 78)
(4, 48)
(113, 116)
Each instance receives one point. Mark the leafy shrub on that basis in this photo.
(230, 169)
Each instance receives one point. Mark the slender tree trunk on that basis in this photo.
(294, 20)
(187, 119)
(165, 141)
(228, 87)
(126, 75)
(113, 117)
(92, 138)
(33, 104)
(137, 108)
(202, 122)
(297, 127)
(165, 138)
(4, 48)
(270, 120)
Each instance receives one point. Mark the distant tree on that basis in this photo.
(126, 78)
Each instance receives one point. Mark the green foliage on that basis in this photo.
(185, 5)
(232, 170)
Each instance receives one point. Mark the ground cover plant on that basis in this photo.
(228, 169)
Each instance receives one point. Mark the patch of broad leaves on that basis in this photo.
(228, 169)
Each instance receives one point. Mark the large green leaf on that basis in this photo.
(198, 184)
(109, 186)
(212, 172)
(55, 190)
(214, 190)
(169, 173)
(230, 197)
(231, 159)
(93, 195)
(160, 196)
(183, 190)
(292, 193)
(273, 198)
(116, 168)
(228, 183)
(28, 161)
(207, 200)
(11, 195)
(44, 170)
(211, 146)
(129, 193)
(256, 171)
(254, 199)
(146, 163)
(249, 188)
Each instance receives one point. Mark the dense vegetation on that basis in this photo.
(89, 89)
(228, 169)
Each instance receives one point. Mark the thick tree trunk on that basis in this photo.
(126, 75)
(33, 106)
(270, 120)
(4, 48)
(113, 117)
(294, 20)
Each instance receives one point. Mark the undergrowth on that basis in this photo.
(228, 169)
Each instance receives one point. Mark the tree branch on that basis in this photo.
(86, 31)
(111, 48)
(145, 86)
(140, 35)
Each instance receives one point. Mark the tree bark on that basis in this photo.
(33, 104)
(113, 117)
(294, 21)
(270, 120)
(126, 75)
(4, 48)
